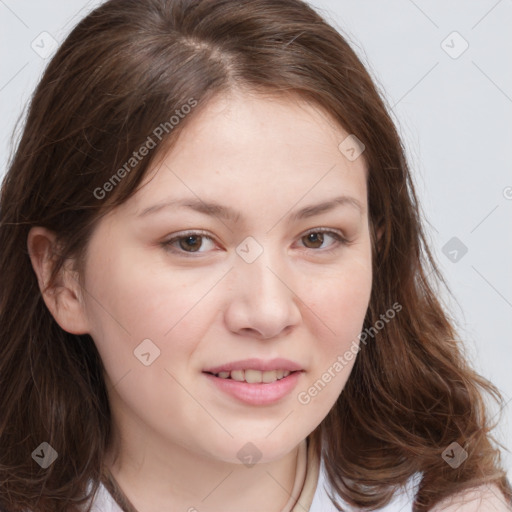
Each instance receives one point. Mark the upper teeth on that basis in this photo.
(254, 376)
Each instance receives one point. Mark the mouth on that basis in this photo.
(256, 381)
(252, 376)
(255, 387)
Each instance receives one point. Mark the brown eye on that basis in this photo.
(190, 242)
(317, 239)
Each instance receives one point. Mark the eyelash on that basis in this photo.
(337, 236)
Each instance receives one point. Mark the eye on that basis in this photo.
(187, 242)
(317, 237)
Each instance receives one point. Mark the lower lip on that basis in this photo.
(259, 393)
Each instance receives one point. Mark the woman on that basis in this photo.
(302, 345)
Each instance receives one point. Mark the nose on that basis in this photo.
(263, 303)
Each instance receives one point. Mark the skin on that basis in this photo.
(264, 157)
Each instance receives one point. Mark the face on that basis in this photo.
(180, 297)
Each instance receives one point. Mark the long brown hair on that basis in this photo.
(123, 72)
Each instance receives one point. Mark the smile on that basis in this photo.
(254, 376)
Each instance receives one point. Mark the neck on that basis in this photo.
(187, 481)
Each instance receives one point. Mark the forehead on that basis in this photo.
(252, 151)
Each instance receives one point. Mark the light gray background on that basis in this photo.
(454, 113)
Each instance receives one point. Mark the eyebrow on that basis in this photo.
(229, 214)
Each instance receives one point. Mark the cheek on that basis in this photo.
(132, 300)
(339, 315)
(340, 299)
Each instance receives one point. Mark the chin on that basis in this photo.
(255, 449)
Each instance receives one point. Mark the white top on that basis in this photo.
(321, 502)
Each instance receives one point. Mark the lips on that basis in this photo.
(259, 365)
(258, 387)
(252, 376)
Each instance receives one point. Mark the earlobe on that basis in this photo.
(63, 296)
(380, 232)
(377, 235)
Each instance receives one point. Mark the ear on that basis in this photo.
(63, 297)
(380, 231)
(376, 234)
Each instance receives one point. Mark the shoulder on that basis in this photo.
(486, 498)
(102, 500)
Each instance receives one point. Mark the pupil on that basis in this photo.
(191, 239)
(316, 237)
